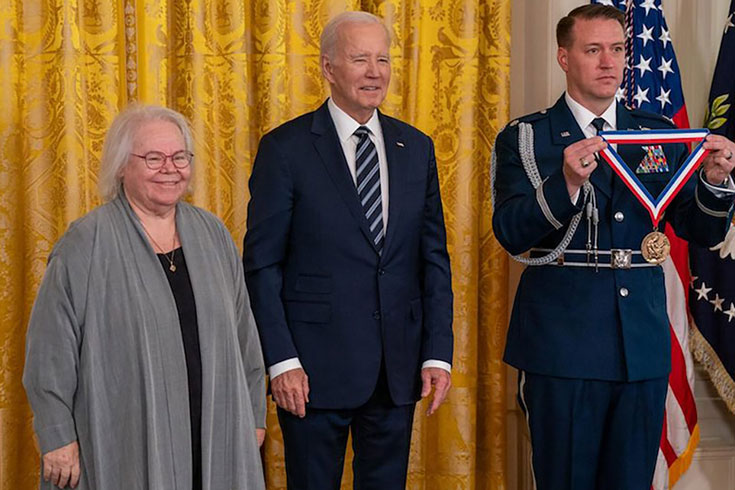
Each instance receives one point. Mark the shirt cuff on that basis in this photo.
(437, 364)
(575, 197)
(722, 191)
(281, 367)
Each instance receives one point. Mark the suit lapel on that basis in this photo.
(397, 154)
(328, 146)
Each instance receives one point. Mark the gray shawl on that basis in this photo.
(105, 360)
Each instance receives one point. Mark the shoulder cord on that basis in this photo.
(525, 148)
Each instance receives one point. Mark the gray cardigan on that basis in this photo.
(105, 361)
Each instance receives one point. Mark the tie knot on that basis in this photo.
(362, 131)
(598, 123)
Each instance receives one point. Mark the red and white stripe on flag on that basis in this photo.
(680, 434)
(652, 82)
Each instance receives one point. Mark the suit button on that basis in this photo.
(619, 217)
(381, 272)
(376, 315)
(624, 292)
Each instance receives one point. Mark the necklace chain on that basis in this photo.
(170, 260)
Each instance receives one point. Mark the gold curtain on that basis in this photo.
(238, 69)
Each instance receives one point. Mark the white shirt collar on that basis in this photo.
(346, 125)
(584, 116)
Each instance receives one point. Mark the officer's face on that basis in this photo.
(358, 69)
(594, 61)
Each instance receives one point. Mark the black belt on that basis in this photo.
(616, 258)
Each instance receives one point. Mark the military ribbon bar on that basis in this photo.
(654, 205)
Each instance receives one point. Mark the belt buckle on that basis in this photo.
(621, 258)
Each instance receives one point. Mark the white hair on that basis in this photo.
(328, 39)
(121, 137)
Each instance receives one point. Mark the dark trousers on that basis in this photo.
(381, 438)
(593, 435)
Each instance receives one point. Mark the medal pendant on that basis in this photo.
(172, 267)
(655, 247)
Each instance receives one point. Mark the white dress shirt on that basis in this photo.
(346, 126)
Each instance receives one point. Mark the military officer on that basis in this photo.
(589, 331)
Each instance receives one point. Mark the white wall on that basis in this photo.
(696, 31)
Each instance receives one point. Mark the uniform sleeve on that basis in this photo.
(52, 358)
(522, 215)
(697, 214)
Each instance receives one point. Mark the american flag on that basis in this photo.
(652, 82)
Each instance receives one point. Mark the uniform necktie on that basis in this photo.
(368, 185)
(598, 123)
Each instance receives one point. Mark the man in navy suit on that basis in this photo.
(589, 330)
(348, 272)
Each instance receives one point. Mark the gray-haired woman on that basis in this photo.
(143, 364)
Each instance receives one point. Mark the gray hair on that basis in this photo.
(121, 137)
(329, 35)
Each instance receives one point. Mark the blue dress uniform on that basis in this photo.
(592, 345)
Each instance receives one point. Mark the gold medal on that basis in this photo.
(655, 247)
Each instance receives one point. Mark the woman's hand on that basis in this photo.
(260, 436)
(61, 466)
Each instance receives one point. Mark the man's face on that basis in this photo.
(594, 61)
(358, 70)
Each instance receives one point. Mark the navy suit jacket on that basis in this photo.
(319, 289)
(572, 321)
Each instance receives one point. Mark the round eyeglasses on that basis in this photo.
(156, 159)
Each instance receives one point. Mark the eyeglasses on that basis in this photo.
(156, 159)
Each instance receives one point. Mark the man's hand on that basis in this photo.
(719, 162)
(579, 162)
(260, 436)
(291, 391)
(440, 380)
(61, 466)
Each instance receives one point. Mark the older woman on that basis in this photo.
(143, 365)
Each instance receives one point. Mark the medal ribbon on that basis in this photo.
(654, 205)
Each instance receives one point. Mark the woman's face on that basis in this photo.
(156, 191)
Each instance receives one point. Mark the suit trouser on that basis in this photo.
(593, 435)
(381, 439)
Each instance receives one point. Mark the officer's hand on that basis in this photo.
(440, 380)
(291, 391)
(720, 162)
(579, 162)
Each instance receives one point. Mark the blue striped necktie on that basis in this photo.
(368, 185)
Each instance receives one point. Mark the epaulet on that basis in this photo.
(529, 118)
(651, 116)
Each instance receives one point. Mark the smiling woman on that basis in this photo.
(155, 289)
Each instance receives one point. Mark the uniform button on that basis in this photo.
(381, 272)
(624, 292)
(619, 216)
(376, 315)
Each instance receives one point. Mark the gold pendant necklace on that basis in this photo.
(655, 247)
(170, 260)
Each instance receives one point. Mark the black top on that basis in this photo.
(184, 296)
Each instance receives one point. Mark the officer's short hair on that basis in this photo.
(564, 37)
